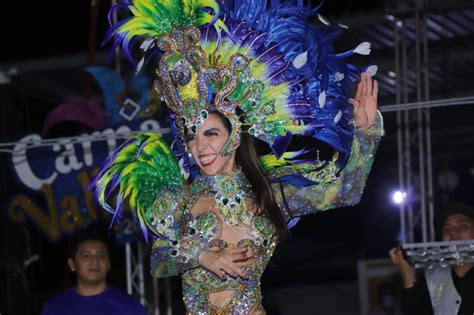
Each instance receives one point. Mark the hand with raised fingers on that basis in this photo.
(365, 101)
(225, 262)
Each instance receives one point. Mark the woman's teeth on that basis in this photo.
(207, 159)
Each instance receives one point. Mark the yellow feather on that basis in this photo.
(146, 4)
(259, 70)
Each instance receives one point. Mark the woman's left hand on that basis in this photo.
(365, 101)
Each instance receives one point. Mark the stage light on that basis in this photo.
(399, 197)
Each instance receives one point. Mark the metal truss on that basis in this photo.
(413, 127)
(134, 266)
(159, 298)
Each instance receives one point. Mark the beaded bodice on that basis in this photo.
(242, 295)
(219, 214)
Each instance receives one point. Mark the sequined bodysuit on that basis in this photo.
(202, 230)
(186, 233)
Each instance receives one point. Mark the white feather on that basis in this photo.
(322, 99)
(140, 65)
(338, 77)
(363, 48)
(323, 19)
(300, 60)
(147, 44)
(372, 70)
(337, 117)
(343, 26)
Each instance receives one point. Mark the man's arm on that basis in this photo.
(415, 296)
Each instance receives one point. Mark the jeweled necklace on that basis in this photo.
(229, 190)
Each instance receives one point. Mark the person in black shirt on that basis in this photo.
(458, 224)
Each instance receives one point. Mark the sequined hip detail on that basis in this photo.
(243, 300)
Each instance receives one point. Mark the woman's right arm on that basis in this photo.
(179, 244)
(182, 245)
(171, 258)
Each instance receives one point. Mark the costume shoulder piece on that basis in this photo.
(144, 172)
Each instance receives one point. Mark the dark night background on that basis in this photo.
(40, 39)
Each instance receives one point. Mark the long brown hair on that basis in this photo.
(246, 158)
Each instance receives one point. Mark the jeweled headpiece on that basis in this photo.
(259, 63)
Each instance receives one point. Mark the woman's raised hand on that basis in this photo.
(365, 101)
(225, 261)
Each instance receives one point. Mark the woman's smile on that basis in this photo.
(207, 159)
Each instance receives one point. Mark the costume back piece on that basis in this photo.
(272, 74)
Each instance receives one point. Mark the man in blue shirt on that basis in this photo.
(90, 260)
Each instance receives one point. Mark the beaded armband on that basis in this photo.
(171, 258)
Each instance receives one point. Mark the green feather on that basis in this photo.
(154, 18)
(145, 167)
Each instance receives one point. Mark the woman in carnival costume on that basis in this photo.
(234, 75)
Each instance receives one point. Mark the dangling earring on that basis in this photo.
(191, 159)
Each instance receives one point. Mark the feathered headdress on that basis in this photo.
(262, 59)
